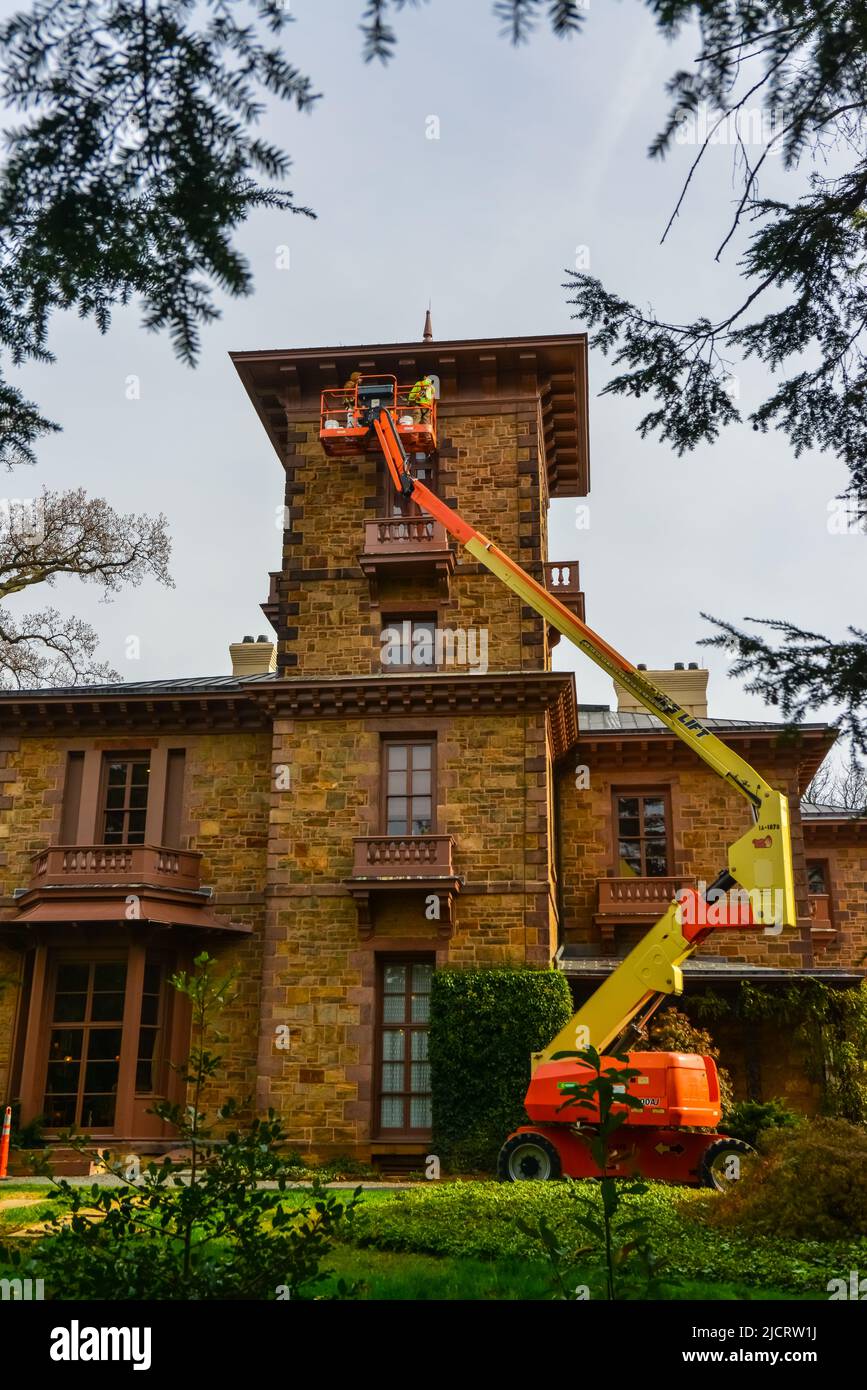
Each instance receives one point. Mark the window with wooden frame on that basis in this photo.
(403, 1089)
(408, 641)
(108, 1037)
(84, 1045)
(124, 798)
(409, 787)
(642, 828)
(424, 467)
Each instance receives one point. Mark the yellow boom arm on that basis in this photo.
(760, 862)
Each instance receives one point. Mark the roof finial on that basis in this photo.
(427, 336)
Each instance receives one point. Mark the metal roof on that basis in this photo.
(599, 719)
(823, 810)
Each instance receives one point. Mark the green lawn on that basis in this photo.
(478, 1240)
(385, 1274)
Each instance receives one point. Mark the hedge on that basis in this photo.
(484, 1025)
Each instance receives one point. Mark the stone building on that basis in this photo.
(389, 784)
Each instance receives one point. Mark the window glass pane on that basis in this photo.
(391, 1112)
(97, 1112)
(138, 796)
(62, 1077)
(72, 976)
(396, 783)
(421, 977)
(140, 773)
(816, 876)
(60, 1112)
(393, 1043)
(627, 806)
(392, 1076)
(630, 858)
(107, 1008)
(420, 1112)
(150, 1008)
(109, 975)
(70, 1008)
(100, 1077)
(394, 1008)
(656, 862)
(152, 977)
(114, 827)
(114, 797)
(419, 1046)
(420, 1008)
(117, 774)
(421, 755)
(421, 1076)
(396, 756)
(136, 828)
(420, 783)
(104, 1045)
(65, 1044)
(394, 979)
(397, 809)
(421, 815)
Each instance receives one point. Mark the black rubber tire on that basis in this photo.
(710, 1156)
(547, 1159)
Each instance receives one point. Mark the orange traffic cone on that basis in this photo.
(4, 1141)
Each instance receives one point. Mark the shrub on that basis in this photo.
(810, 1182)
(746, 1119)
(672, 1031)
(484, 1025)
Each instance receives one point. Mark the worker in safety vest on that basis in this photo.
(421, 397)
(350, 386)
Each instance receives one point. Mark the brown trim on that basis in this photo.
(253, 706)
(71, 806)
(173, 801)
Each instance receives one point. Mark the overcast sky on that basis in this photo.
(541, 150)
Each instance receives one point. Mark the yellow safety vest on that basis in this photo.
(422, 393)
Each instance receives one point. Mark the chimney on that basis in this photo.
(686, 683)
(251, 658)
(427, 335)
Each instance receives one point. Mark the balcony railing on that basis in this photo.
(403, 856)
(77, 866)
(562, 580)
(406, 545)
(627, 898)
(404, 535)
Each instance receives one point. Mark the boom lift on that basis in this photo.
(679, 1093)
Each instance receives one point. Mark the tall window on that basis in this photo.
(148, 1069)
(125, 798)
(84, 1044)
(403, 1092)
(409, 788)
(642, 822)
